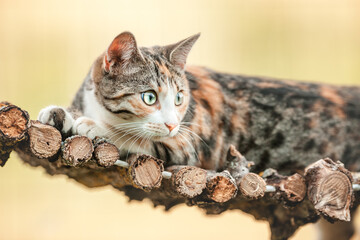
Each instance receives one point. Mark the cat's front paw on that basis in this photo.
(87, 127)
(57, 117)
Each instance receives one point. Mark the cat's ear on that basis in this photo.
(177, 53)
(122, 54)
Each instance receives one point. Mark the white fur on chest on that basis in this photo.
(126, 143)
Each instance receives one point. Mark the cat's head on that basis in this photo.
(146, 89)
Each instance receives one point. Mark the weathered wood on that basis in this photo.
(252, 186)
(221, 187)
(330, 189)
(44, 140)
(291, 189)
(145, 171)
(14, 123)
(237, 164)
(188, 181)
(220, 194)
(77, 150)
(105, 153)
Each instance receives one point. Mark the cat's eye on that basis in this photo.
(149, 97)
(179, 98)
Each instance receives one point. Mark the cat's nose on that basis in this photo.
(170, 126)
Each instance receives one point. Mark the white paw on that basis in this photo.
(57, 117)
(87, 127)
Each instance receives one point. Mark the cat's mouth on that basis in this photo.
(159, 132)
(162, 138)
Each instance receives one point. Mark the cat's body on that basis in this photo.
(144, 101)
(280, 124)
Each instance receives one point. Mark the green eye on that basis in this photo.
(179, 98)
(149, 97)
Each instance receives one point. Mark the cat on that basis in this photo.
(147, 100)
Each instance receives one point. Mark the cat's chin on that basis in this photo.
(161, 138)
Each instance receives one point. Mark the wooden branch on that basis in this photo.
(145, 171)
(44, 140)
(14, 123)
(105, 153)
(77, 150)
(330, 188)
(188, 181)
(221, 187)
(252, 186)
(277, 198)
(291, 189)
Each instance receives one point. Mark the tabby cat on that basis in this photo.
(146, 100)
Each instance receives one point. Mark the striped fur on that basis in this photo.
(274, 123)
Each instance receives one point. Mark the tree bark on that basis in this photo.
(285, 207)
(14, 123)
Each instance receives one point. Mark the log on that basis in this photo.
(14, 123)
(330, 189)
(252, 186)
(188, 181)
(145, 171)
(142, 177)
(105, 153)
(44, 140)
(291, 189)
(236, 164)
(221, 187)
(77, 150)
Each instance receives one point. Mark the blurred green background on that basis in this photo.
(47, 47)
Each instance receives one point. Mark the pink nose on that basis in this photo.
(170, 126)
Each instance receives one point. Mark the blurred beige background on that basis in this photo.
(47, 47)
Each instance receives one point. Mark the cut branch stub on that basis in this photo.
(44, 140)
(237, 164)
(14, 123)
(145, 171)
(77, 150)
(105, 153)
(252, 186)
(188, 181)
(291, 189)
(330, 189)
(221, 187)
(294, 188)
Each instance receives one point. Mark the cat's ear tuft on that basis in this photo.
(177, 53)
(121, 53)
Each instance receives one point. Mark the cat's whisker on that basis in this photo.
(196, 155)
(126, 132)
(195, 134)
(121, 131)
(190, 123)
(116, 128)
(136, 131)
(147, 137)
(139, 135)
(133, 136)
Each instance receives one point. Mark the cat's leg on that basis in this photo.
(57, 117)
(63, 120)
(87, 127)
(335, 231)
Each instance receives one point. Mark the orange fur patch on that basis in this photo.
(268, 85)
(210, 91)
(142, 109)
(331, 95)
(335, 110)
